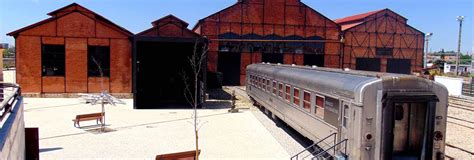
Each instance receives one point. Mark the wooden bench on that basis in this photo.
(189, 155)
(88, 117)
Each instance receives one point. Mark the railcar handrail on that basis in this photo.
(9, 94)
(307, 148)
(333, 147)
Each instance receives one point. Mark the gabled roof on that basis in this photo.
(352, 21)
(169, 19)
(75, 8)
(357, 17)
(242, 1)
(165, 21)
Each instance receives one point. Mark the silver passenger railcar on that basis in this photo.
(371, 115)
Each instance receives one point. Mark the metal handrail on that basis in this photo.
(7, 100)
(333, 147)
(307, 148)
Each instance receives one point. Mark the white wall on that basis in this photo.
(12, 134)
(454, 85)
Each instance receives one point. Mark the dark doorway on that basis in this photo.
(314, 59)
(408, 125)
(159, 74)
(272, 58)
(402, 66)
(368, 64)
(229, 66)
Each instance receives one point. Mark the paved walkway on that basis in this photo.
(142, 134)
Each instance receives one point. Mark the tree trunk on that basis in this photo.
(195, 113)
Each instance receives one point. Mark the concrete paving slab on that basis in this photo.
(143, 134)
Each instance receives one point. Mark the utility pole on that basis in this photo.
(427, 39)
(460, 19)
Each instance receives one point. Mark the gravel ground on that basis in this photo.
(459, 132)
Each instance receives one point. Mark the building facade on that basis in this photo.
(73, 51)
(161, 60)
(79, 51)
(381, 41)
(275, 31)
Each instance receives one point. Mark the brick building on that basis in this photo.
(276, 31)
(381, 41)
(62, 54)
(161, 56)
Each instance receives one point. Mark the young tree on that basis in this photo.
(197, 64)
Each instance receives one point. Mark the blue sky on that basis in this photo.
(437, 16)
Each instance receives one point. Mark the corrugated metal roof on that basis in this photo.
(349, 25)
(355, 18)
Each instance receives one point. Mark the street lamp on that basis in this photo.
(427, 39)
(460, 19)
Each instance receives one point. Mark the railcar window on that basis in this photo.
(274, 87)
(398, 112)
(251, 80)
(319, 106)
(288, 94)
(307, 101)
(296, 97)
(268, 86)
(280, 92)
(264, 84)
(346, 116)
(256, 81)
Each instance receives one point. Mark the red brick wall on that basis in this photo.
(267, 17)
(76, 65)
(120, 66)
(384, 31)
(28, 63)
(76, 31)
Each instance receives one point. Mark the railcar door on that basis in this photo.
(408, 125)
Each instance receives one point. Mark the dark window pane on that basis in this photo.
(384, 51)
(399, 112)
(98, 61)
(53, 59)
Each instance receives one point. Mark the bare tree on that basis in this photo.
(104, 92)
(197, 62)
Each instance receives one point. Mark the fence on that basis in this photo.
(468, 88)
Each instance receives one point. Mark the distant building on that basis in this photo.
(463, 68)
(3, 45)
(472, 66)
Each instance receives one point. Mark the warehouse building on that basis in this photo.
(161, 58)
(79, 51)
(381, 41)
(73, 51)
(275, 31)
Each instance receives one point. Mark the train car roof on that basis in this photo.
(336, 82)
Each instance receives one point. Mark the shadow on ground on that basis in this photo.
(50, 149)
(302, 140)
